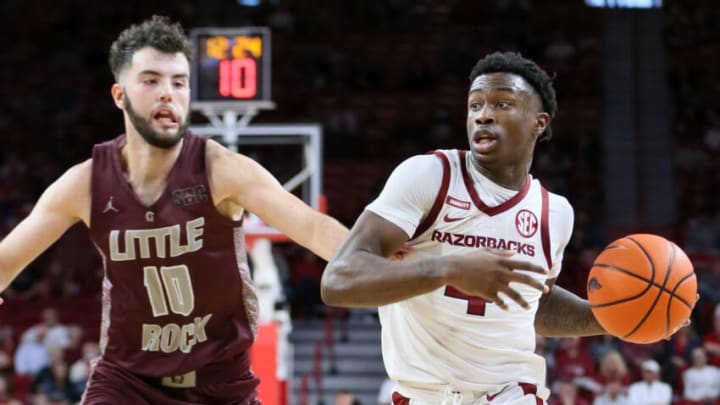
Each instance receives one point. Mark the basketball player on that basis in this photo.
(164, 209)
(459, 314)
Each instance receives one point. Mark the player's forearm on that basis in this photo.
(329, 235)
(366, 280)
(7, 275)
(562, 313)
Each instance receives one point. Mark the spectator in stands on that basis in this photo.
(614, 395)
(57, 355)
(636, 354)
(711, 340)
(55, 333)
(345, 397)
(701, 382)
(32, 354)
(80, 369)
(574, 363)
(6, 397)
(601, 345)
(650, 391)
(6, 350)
(56, 385)
(678, 352)
(612, 368)
(567, 394)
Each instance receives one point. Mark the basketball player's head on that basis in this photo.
(151, 65)
(511, 102)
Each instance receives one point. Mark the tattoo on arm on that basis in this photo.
(562, 313)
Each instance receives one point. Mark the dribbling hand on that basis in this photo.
(489, 272)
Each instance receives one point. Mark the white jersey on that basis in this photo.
(447, 339)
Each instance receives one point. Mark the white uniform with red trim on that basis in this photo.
(443, 340)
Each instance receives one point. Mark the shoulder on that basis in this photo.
(417, 174)
(234, 174)
(559, 204)
(222, 162)
(420, 165)
(70, 193)
(215, 152)
(561, 212)
(78, 175)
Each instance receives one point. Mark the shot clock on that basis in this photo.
(231, 65)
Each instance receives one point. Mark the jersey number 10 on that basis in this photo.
(170, 285)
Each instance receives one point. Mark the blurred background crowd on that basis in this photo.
(387, 80)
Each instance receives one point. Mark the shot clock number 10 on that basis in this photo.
(231, 65)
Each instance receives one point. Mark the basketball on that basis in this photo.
(641, 288)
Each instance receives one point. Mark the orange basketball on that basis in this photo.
(641, 288)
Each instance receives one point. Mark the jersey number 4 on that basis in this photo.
(476, 305)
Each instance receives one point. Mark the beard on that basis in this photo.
(151, 136)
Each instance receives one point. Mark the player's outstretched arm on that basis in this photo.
(360, 275)
(64, 203)
(562, 313)
(239, 181)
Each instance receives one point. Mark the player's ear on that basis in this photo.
(118, 95)
(542, 119)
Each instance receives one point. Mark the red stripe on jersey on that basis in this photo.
(439, 199)
(399, 399)
(531, 389)
(476, 198)
(528, 388)
(544, 226)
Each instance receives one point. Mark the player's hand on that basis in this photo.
(682, 325)
(489, 272)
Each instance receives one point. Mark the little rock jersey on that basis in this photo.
(176, 290)
(446, 338)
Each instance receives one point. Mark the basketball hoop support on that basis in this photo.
(232, 122)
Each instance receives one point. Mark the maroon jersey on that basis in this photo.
(176, 293)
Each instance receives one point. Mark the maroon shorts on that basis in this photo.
(224, 383)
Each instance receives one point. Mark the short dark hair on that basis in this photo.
(157, 32)
(511, 62)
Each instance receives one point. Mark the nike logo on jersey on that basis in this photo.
(448, 218)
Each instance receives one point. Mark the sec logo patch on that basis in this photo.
(526, 223)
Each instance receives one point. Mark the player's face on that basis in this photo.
(503, 121)
(156, 96)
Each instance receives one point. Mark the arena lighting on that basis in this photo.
(248, 3)
(624, 3)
